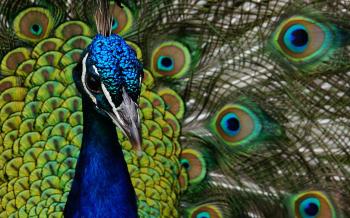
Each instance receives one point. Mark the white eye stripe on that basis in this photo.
(83, 80)
(115, 111)
(95, 69)
(108, 96)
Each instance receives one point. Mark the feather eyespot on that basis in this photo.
(236, 124)
(194, 164)
(115, 24)
(310, 207)
(36, 29)
(170, 59)
(311, 204)
(203, 214)
(302, 39)
(185, 164)
(206, 211)
(165, 63)
(230, 124)
(33, 24)
(122, 19)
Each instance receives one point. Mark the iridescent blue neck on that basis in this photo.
(102, 185)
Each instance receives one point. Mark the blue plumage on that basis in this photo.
(117, 65)
(102, 185)
(109, 79)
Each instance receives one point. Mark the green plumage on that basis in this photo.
(236, 120)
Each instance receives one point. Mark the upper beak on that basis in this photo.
(127, 118)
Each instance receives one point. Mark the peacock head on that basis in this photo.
(110, 76)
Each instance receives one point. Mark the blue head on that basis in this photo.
(110, 76)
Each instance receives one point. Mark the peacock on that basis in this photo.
(175, 108)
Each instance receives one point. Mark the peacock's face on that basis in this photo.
(110, 76)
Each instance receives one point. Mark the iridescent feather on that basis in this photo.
(244, 106)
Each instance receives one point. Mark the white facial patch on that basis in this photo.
(83, 80)
(126, 117)
(115, 113)
(95, 69)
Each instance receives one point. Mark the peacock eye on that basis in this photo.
(36, 29)
(195, 165)
(309, 207)
(165, 63)
(33, 24)
(296, 38)
(185, 164)
(93, 84)
(302, 39)
(311, 204)
(170, 59)
(235, 124)
(203, 215)
(230, 124)
(122, 19)
(206, 211)
(115, 24)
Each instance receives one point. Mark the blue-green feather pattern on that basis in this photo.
(244, 106)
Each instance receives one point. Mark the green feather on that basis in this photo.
(244, 106)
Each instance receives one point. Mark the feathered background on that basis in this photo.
(238, 120)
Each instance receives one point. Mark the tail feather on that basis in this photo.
(236, 122)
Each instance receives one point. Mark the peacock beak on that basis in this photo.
(126, 117)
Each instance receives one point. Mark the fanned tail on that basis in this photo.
(267, 130)
(244, 105)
